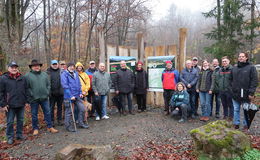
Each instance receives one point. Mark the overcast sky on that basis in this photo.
(161, 7)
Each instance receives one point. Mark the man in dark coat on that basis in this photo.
(13, 98)
(124, 86)
(56, 95)
(141, 86)
(195, 65)
(244, 82)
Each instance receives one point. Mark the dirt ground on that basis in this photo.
(126, 134)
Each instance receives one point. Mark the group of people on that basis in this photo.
(71, 87)
(209, 83)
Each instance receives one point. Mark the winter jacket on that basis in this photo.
(90, 73)
(84, 80)
(56, 88)
(222, 79)
(101, 82)
(179, 98)
(243, 77)
(71, 84)
(13, 92)
(170, 78)
(189, 77)
(39, 86)
(204, 83)
(214, 74)
(124, 81)
(141, 82)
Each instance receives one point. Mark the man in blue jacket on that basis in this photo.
(72, 95)
(189, 76)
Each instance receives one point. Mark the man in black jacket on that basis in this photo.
(124, 86)
(56, 95)
(13, 98)
(243, 82)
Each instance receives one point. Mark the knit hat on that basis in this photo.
(168, 62)
(78, 64)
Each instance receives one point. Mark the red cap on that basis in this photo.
(168, 62)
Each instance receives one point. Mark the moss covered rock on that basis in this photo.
(217, 140)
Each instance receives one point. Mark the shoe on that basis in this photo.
(193, 116)
(206, 119)
(10, 141)
(105, 117)
(60, 123)
(196, 114)
(35, 132)
(236, 126)
(181, 120)
(217, 115)
(85, 126)
(132, 113)
(202, 118)
(97, 118)
(52, 130)
(70, 129)
(21, 138)
(139, 111)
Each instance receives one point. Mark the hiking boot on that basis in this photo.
(10, 141)
(105, 117)
(35, 132)
(196, 114)
(181, 120)
(60, 123)
(52, 130)
(70, 129)
(97, 118)
(21, 138)
(217, 115)
(206, 119)
(84, 126)
(131, 112)
(202, 118)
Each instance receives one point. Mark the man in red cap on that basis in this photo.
(170, 77)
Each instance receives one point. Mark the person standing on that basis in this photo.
(223, 85)
(170, 77)
(13, 99)
(56, 95)
(215, 92)
(101, 83)
(204, 87)
(244, 82)
(195, 65)
(38, 91)
(72, 97)
(62, 66)
(124, 86)
(141, 86)
(90, 71)
(189, 77)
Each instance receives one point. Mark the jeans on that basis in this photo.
(192, 94)
(205, 99)
(236, 119)
(226, 99)
(123, 97)
(10, 115)
(217, 100)
(78, 103)
(167, 95)
(56, 100)
(141, 101)
(46, 111)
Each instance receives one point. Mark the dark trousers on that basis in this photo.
(90, 98)
(141, 101)
(97, 101)
(197, 95)
(192, 94)
(123, 97)
(184, 110)
(58, 100)
(10, 115)
(217, 101)
(167, 95)
(227, 104)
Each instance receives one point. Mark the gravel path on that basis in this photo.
(124, 133)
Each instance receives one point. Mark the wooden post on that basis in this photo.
(101, 40)
(140, 46)
(182, 48)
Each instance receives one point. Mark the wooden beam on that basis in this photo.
(182, 48)
(140, 46)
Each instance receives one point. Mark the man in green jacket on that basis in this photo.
(38, 92)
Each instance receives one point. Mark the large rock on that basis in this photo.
(89, 152)
(217, 140)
